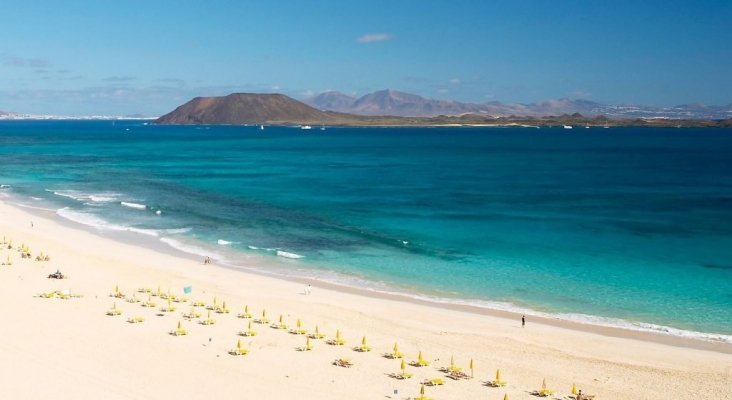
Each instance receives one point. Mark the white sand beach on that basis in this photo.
(69, 349)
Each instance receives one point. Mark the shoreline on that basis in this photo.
(114, 357)
(459, 305)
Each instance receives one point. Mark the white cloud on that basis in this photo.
(374, 37)
(442, 91)
(454, 81)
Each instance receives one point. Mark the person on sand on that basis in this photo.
(308, 289)
(523, 321)
(207, 260)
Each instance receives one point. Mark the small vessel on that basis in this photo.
(567, 126)
(587, 127)
(261, 127)
(322, 128)
(306, 127)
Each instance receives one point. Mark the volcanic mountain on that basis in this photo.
(247, 108)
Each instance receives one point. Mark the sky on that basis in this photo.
(147, 57)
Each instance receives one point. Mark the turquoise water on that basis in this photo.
(627, 226)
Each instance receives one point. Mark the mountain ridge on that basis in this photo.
(396, 103)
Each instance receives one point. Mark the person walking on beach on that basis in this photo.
(308, 289)
(523, 321)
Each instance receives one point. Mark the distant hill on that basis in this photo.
(395, 103)
(278, 109)
(247, 108)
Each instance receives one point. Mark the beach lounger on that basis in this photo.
(316, 334)
(208, 320)
(337, 341)
(199, 303)
(279, 325)
(245, 314)
(223, 309)
(263, 320)
(136, 320)
(149, 303)
(298, 330)
(343, 362)
(239, 350)
(248, 332)
(457, 375)
(308, 346)
(364, 347)
(179, 331)
(543, 391)
(433, 382)
(394, 353)
(498, 382)
(420, 362)
(181, 299)
(452, 367)
(192, 314)
(114, 311)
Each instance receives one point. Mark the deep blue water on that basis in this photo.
(620, 223)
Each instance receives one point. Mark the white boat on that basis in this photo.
(567, 126)
(306, 127)
(322, 128)
(261, 127)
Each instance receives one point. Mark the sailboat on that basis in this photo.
(261, 127)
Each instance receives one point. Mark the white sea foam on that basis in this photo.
(175, 231)
(100, 197)
(96, 222)
(36, 198)
(286, 254)
(253, 247)
(136, 206)
(223, 242)
(5, 186)
(188, 248)
(382, 287)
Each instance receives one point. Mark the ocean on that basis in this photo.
(624, 227)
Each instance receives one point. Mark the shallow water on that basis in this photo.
(620, 223)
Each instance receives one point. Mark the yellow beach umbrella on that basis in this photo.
(363, 341)
(307, 343)
(317, 331)
(180, 325)
(250, 325)
(505, 396)
(543, 383)
(298, 324)
(280, 318)
(420, 359)
(246, 310)
(338, 334)
(214, 301)
(238, 344)
(472, 366)
(264, 313)
(452, 363)
(396, 348)
(498, 375)
(404, 365)
(574, 389)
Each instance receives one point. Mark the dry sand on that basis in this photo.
(69, 349)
